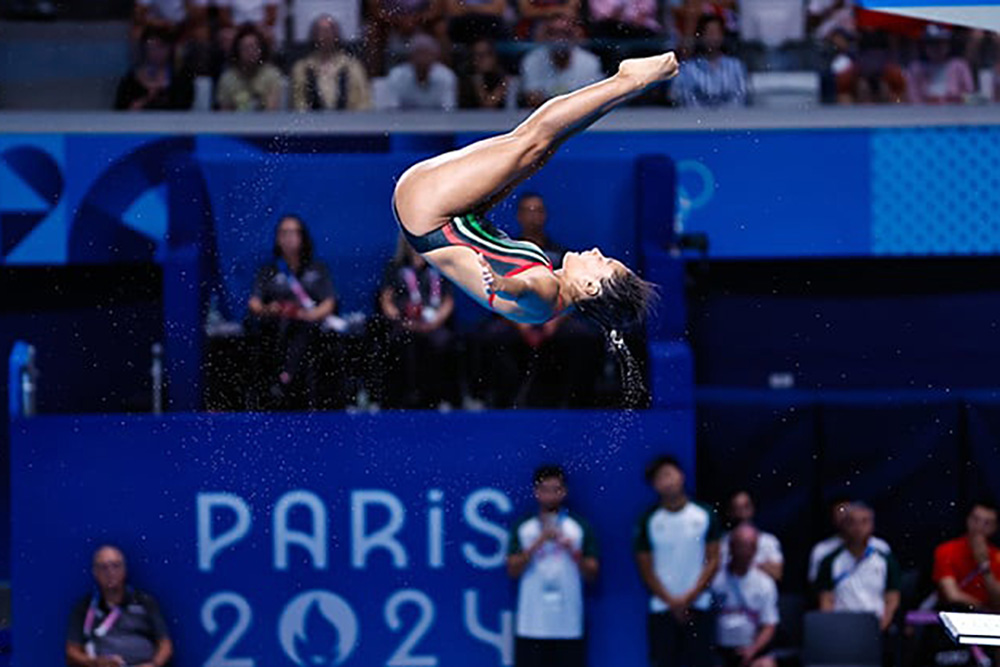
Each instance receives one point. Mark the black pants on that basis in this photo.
(549, 652)
(672, 644)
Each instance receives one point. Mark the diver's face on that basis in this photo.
(591, 265)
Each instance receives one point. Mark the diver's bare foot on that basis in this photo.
(647, 71)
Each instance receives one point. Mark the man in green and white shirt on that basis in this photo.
(677, 552)
(860, 576)
(551, 552)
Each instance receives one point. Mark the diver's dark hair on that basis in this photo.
(549, 471)
(624, 301)
(306, 253)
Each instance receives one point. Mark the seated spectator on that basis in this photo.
(263, 14)
(939, 77)
(153, 84)
(538, 12)
(250, 82)
(623, 19)
(747, 603)
(116, 625)
(838, 519)
(686, 16)
(556, 364)
(292, 296)
(552, 552)
(423, 82)
(873, 76)
(472, 20)
(967, 568)
(416, 304)
(558, 65)
(391, 26)
(858, 576)
(712, 79)
(487, 86)
(328, 78)
(768, 556)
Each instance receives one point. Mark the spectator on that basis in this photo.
(858, 576)
(251, 82)
(564, 356)
(558, 65)
(417, 303)
(768, 556)
(292, 296)
(392, 24)
(117, 625)
(173, 17)
(623, 19)
(967, 568)
(473, 20)
(838, 518)
(423, 82)
(939, 77)
(712, 79)
(263, 14)
(747, 600)
(487, 86)
(535, 12)
(153, 84)
(823, 17)
(551, 552)
(328, 78)
(677, 551)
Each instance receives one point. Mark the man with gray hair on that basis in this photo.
(859, 576)
(116, 625)
(422, 82)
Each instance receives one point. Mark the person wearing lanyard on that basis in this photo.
(550, 553)
(747, 604)
(116, 626)
(859, 576)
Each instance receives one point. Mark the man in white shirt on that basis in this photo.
(838, 517)
(769, 558)
(558, 65)
(677, 551)
(423, 82)
(858, 576)
(551, 552)
(747, 602)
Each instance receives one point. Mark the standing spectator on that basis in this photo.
(768, 557)
(472, 20)
(153, 84)
(677, 551)
(417, 303)
(967, 568)
(822, 549)
(624, 19)
(747, 600)
(939, 77)
(423, 82)
(487, 86)
(551, 553)
(558, 65)
(858, 576)
(392, 24)
(117, 625)
(263, 14)
(328, 78)
(251, 82)
(712, 79)
(292, 296)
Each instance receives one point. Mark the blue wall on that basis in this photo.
(79, 482)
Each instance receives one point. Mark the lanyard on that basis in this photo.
(298, 290)
(854, 568)
(741, 601)
(106, 625)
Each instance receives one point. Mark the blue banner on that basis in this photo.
(330, 539)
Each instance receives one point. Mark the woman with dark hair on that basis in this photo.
(153, 84)
(292, 296)
(250, 82)
(440, 203)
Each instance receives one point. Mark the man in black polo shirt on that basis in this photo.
(117, 625)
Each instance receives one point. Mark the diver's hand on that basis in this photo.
(494, 284)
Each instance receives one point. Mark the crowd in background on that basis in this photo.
(713, 586)
(242, 55)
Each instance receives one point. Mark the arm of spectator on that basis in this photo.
(952, 594)
(319, 312)
(443, 313)
(300, 94)
(889, 613)
(275, 91)
(360, 93)
(773, 570)
(741, 94)
(826, 600)
(708, 571)
(76, 656)
(760, 642)
(818, 14)
(589, 567)
(518, 559)
(387, 305)
(644, 560)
